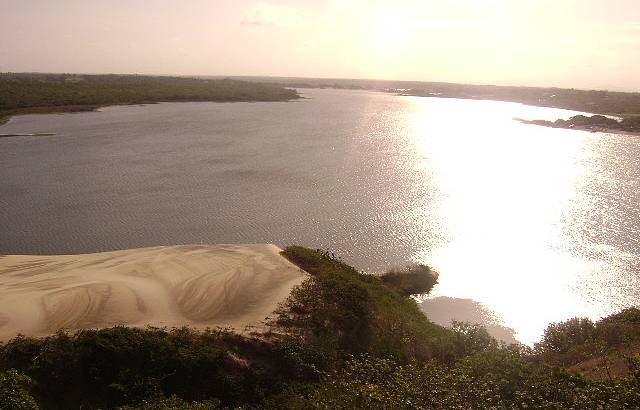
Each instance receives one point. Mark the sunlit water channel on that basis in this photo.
(537, 224)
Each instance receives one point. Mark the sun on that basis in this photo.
(391, 29)
(388, 40)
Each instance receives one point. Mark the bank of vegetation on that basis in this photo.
(47, 93)
(594, 123)
(617, 103)
(342, 340)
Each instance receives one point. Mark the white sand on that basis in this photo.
(195, 285)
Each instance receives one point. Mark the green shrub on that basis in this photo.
(174, 403)
(14, 394)
(496, 379)
(340, 311)
(413, 280)
(121, 366)
(579, 339)
(568, 342)
(471, 338)
(620, 329)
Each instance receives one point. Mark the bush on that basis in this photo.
(568, 342)
(122, 366)
(174, 403)
(14, 394)
(413, 280)
(471, 338)
(579, 339)
(340, 311)
(497, 379)
(620, 329)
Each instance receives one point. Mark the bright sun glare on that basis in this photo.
(388, 37)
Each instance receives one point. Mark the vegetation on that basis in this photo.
(602, 350)
(341, 312)
(14, 394)
(342, 340)
(413, 280)
(174, 403)
(593, 101)
(44, 93)
(592, 123)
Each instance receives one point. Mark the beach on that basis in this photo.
(200, 286)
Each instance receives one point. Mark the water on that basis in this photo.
(537, 224)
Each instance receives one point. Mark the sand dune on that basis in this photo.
(195, 285)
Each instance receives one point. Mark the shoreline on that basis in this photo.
(48, 93)
(5, 117)
(37, 134)
(200, 286)
(587, 128)
(485, 98)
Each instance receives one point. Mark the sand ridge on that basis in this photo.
(195, 285)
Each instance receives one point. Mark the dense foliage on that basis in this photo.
(358, 314)
(594, 123)
(25, 93)
(602, 350)
(174, 403)
(342, 340)
(601, 102)
(14, 394)
(497, 379)
(413, 280)
(110, 367)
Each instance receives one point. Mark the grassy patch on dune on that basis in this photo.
(358, 313)
(342, 340)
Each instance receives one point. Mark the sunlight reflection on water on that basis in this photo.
(509, 202)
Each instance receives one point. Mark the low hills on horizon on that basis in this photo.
(592, 101)
(35, 93)
(23, 93)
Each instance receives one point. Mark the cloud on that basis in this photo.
(264, 13)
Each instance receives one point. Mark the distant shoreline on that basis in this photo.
(6, 117)
(67, 93)
(596, 123)
(37, 134)
(619, 103)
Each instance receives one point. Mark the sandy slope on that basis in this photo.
(196, 285)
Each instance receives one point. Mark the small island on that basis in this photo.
(27, 93)
(594, 123)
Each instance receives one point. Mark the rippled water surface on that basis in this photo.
(538, 224)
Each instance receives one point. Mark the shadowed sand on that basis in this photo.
(443, 310)
(195, 285)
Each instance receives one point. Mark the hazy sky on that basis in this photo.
(569, 43)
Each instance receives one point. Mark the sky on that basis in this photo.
(565, 43)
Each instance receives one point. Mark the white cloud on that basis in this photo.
(264, 13)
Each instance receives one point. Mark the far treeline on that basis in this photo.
(591, 101)
(593, 123)
(342, 340)
(45, 93)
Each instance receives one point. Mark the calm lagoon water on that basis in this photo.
(536, 224)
